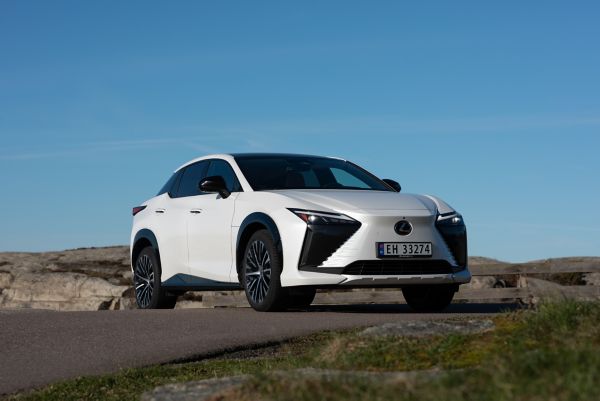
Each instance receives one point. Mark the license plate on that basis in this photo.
(403, 249)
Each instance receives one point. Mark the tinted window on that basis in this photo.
(190, 179)
(222, 168)
(346, 179)
(266, 172)
(168, 187)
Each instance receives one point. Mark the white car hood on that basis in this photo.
(340, 200)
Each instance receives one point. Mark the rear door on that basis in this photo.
(209, 227)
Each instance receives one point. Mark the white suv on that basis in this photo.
(281, 226)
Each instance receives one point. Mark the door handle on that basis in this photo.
(196, 211)
(159, 210)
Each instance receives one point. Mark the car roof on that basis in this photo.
(223, 156)
(230, 157)
(261, 155)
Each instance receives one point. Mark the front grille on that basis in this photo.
(398, 267)
(321, 241)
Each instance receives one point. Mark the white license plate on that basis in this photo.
(404, 249)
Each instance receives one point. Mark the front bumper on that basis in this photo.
(461, 277)
(338, 247)
(296, 277)
(355, 262)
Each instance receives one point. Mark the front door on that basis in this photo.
(209, 228)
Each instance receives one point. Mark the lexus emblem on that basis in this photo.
(403, 227)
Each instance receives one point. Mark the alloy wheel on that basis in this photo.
(257, 271)
(144, 281)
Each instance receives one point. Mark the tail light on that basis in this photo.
(137, 209)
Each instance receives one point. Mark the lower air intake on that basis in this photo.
(398, 267)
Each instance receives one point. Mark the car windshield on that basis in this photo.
(272, 172)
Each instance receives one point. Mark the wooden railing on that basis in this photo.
(531, 286)
(533, 281)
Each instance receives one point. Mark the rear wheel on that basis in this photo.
(261, 272)
(429, 298)
(149, 293)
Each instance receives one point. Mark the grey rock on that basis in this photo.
(6, 280)
(592, 278)
(351, 375)
(430, 328)
(207, 389)
(127, 303)
(479, 282)
(81, 279)
(541, 290)
(194, 391)
(185, 304)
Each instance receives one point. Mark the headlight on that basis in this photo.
(321, 218)
(451, 219)
(452, 228)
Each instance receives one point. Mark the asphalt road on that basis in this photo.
(41, 347)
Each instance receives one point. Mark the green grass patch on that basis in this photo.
(549, 354)
(552, 353)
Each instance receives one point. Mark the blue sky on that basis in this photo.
(495, 107)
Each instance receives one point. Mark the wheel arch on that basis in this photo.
(142, 239)
(252, 223)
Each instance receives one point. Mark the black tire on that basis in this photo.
(149, 294)
(429, 298)
(261, 271)
(300, 298)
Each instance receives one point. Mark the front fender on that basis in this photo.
(249, 225)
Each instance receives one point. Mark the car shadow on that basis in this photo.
(458, 308)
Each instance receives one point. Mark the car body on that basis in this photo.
(325, 222)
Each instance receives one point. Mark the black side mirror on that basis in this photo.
(214, 184)
(394, 184)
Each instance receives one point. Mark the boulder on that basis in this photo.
(194, 391)
(543, 290)
(429, 328)
(479, 282)
(592, 278)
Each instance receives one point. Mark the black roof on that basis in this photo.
(273, 155)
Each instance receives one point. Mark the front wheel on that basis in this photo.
(429, 298)
(261, 272)
(149, 293)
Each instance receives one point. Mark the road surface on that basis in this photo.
(41, 347)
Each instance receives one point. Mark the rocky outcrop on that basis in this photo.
(426, 328)
(78, 279)
(59, 291)
(100, 278)
(81, 279)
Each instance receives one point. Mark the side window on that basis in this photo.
(190, 179)
(222, 168)
(346, 179)
(169, 186)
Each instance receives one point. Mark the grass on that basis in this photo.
(552, 353)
